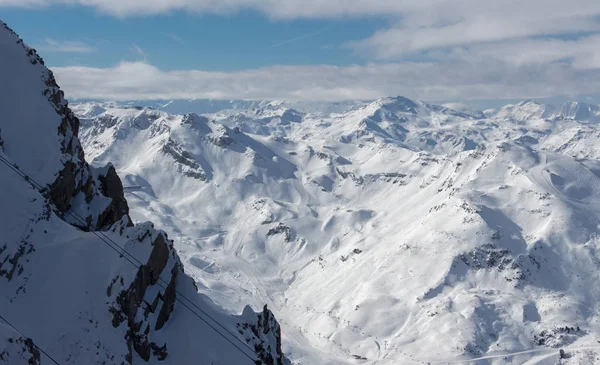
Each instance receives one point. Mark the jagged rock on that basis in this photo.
(130, 301)
(558, 336)
(269, 327)
(488, 256)
(13, 261)
(33, 350)
(196, 122)
(281, 229)
(16, 349)
(76, 175)
(63, 189)
(323, 156)
(184, 158)
(358, 180)
(111, 186)
(264, 328)
(148, 274)
(221, 138)
(168, 299)
(20, 348)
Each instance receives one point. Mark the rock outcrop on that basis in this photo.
(264, 328)
(112, 187)
(189, 166)
(76, 177)
(16, 349)
(133, 306)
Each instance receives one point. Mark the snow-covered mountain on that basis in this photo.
(396, 232)
(209, 106)
(529, 109)
(78, 279)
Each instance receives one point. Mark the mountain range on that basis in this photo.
(385, 232)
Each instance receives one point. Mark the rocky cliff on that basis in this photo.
(60, 281)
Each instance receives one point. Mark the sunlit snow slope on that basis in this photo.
(397, 232)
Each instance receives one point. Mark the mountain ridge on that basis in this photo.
(566, 109)
(76, 298)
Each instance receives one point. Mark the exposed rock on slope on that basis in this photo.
(265, 327)
(111, 187)
(17, 350)
(76, 177)
(55, 277)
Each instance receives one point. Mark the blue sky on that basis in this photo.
(440, 50)
(181, 40)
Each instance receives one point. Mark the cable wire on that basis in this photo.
(33, 342)
(121, 251)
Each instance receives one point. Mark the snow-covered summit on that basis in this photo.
(529, 109)
(577, 110)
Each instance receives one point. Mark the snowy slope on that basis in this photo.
(67, 246)
(396, 232)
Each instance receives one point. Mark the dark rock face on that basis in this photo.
(558, 336)
(147, 275)
(131, 301)
(270, 326)
(63, 189)
(221, 138)
(20, 348)
(75, 177)
(111, 187)
(184, 158)
(267, 331)
(11, 265)
(281, 229)
(33, 350)
(168, 299)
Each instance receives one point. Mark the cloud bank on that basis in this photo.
(464, 49)
(419, 80)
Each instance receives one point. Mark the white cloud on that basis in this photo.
(400, 41)
(472, 49)
(428, 81)
(581, 53)
(52, 45)
(423, 12)
(419, 26)
(274, 8)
